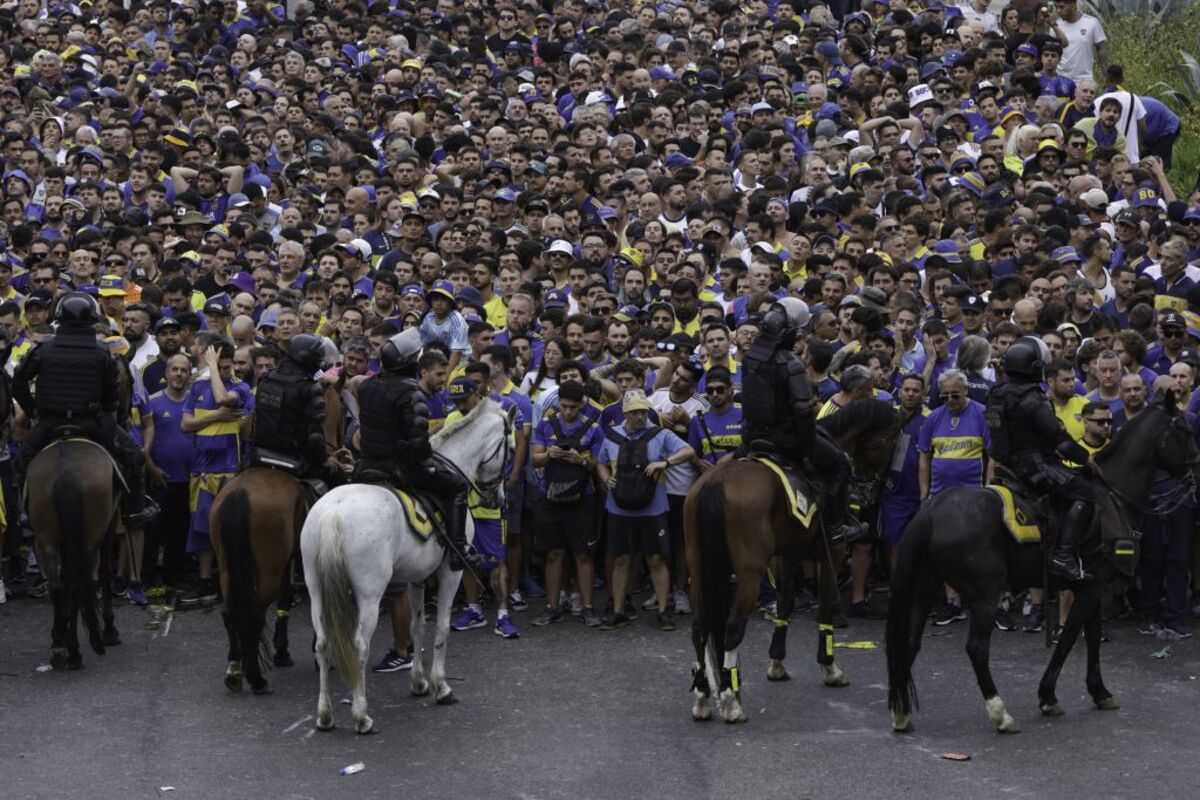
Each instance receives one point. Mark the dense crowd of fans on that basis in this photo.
(584, 207)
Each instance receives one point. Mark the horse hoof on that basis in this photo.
(75, 662)
(420, 689)
(835, 677)
(1107, 704)
(364, 726)
(1009, 725)
(111, 638)
(260, 689)
(701, 711)
(233, 682)
(283, 659)
(325, 722)
(448, 699)
(902, 723)
(1052, 709)
(58, 658)
(777, 671)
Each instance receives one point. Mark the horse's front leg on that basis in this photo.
(283, 611)
(416, 637)
(831, 673)
(1093, 632)
(785, 574)
(448, 582)
(1085, 599)
(979, 645)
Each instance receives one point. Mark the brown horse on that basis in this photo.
(74, 495)
(255, 522)
(736, 519)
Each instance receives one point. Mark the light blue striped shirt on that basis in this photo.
(452, 331)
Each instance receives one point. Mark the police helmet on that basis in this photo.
(797, 312)
(77, 308)
(307, 350)
(1024, 360)
(401, 350)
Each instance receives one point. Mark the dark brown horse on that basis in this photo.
(74, 495)
(736, 519)
(255, 522)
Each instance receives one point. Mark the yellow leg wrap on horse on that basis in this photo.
(821, 626)
(282, 613)
(780, 623)
(733, 680)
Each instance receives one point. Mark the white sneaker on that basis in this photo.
(31, 564)
(576, 604)
(682, 604)
(651, 603)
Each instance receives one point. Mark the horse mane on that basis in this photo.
(485, 406)
(867, 413)
(1127, 430)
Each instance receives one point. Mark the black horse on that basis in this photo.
(960, 538)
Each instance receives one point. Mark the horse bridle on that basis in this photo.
(488, 491)
(1166, 502)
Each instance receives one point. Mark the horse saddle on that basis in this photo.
(73, 433)
(261, 457)
(799, 491)
(1021, 514)
(425, 513)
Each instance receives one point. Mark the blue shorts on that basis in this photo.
(894, 515)
(489, 542)
(204, 489)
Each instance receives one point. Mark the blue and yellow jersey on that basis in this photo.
(218, 446)
(715, 434)
(957, 444)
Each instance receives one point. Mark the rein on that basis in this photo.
(1163, 503)
(487, 490)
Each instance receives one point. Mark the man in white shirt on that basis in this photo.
(1082, 37)
(977, 11)
(1132, 113)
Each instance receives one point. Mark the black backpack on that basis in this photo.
(634, 489)
(567, 483)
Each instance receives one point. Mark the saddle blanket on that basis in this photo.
(1019, 516)
(797, 490)
(421, 518)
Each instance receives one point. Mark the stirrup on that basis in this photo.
(1071, 568)
(147, 514)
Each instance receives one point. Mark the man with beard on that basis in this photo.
(619, 340)
(142, 347)
(153, 373)
(213, 186)
(168, 464)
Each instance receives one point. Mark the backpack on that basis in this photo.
(567, 483)
(634, 489)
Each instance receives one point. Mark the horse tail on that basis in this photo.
(245, 616)
(76, 569)
(339, 614)
(907, 586)
(715, 564)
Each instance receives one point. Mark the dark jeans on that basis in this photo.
(1162, 148)
(1164, 563)
(168, 534)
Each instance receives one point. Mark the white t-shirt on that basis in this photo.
(680, 477)
(985, 18)
(1079, 53)
(1127, 126)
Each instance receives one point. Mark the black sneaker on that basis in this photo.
(1036, 620)
(1149, 628)
(1056, 633)
(392, 661)
(666, 621)
(864, 610)
(1004, 620)
(590, 617)
(1178, 629)
(551, 616)
(204, 594)
(951, 612)
(614, 621)
(118, 585)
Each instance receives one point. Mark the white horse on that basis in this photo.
(357, 539)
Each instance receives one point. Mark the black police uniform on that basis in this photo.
(394, 440)
(779, 416)
(1028, 438)
(289, 417)
(77, 386)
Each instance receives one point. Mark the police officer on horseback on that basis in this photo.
(780, 413)
(394, 439)
(77, 388)
(289, 413)
(1028, 438)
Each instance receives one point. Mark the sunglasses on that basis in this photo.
(716, 389)
(1099, 421)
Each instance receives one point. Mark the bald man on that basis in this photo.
(1025, 314)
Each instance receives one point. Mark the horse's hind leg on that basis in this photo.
(1085, 601)
(831, 673)
(321, 652)
(368, 617)
(785, 573)
(59, 631)
(701, 709)
(233, 671)
(979, 638)
(448, 582)
(109, 636)
(283, 611)
(735, 630)
(416, 637)
(74, 657)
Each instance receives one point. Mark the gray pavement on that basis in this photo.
(570, 712)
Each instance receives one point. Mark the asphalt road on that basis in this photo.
(571, 712)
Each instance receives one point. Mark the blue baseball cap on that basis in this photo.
(462, 388)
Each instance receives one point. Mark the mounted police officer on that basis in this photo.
(1028, 438)
(289, 412)
(780, 413)
(77, 387)
(394, 439)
